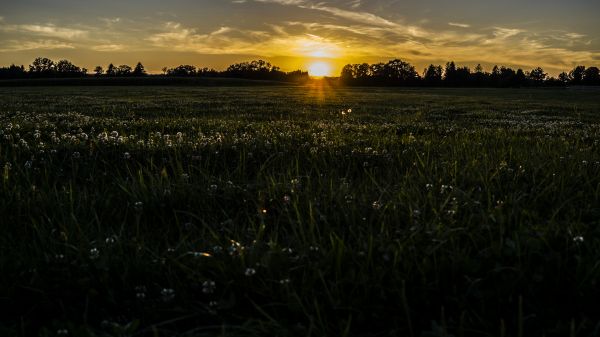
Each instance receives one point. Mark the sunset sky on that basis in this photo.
(554, 34)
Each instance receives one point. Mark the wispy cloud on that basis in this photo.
(460, 25)
(48, 30)
(15, 45)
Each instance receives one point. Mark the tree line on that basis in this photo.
(399, 73)
(393, 73)
(46, 68)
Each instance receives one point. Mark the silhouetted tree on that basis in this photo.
(98, 71)
(591, 76)
(139, 70)
(564, 78)
(537, 75)
(576, 75)
(463, 76)
(42, 66)
(347, 75)
(111, 70)
(495, 77)
(400, 72)
(182, 70)
(12, 72)
(123, 70)
(64, 68)
(433, 75)
(361, 71)
(479, 76)
(520, 78)
(450, 73)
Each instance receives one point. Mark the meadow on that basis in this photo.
(299, 211)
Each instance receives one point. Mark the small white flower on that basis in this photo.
(209, 286)
(94, 253)
(167, 294)
(250, 271)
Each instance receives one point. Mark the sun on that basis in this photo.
(319, 69)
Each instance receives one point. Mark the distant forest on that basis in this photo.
(393, 73)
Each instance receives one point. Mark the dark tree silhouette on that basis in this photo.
(123, 70)
(450, 73)
(111, 70)
(98, 71)
(537, 75)
(12, 72)
(591, 76)
(433, 75)
(520, 78)
(42, 66)
(393, 73)
(182, 70)
(139, 70)
(64, 68)
(576, 75)
(564, 78)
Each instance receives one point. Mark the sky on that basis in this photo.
(303, 34)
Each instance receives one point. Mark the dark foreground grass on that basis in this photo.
(299, 211)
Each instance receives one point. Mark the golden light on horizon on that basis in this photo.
(320, 69)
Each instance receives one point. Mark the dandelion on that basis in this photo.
(94, 253)
(167, 294)
(287, 199)
(376, 205)
(214, 187)
(138, 205)
(110, 240)
(126, 156)
(140, 292)
(285, 281)
(250, 272)
(209, 286)
(313, 248)
(578, 239)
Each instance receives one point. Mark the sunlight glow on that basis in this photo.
(319, 69)
(316, 46)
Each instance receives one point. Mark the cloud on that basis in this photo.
(575, 35)
(15, 45)
(48, 30)
(460, 25)
(108, 47)
(505, 33)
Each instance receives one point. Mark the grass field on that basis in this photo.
(299, 211)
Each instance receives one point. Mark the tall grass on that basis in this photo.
(299, 211)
